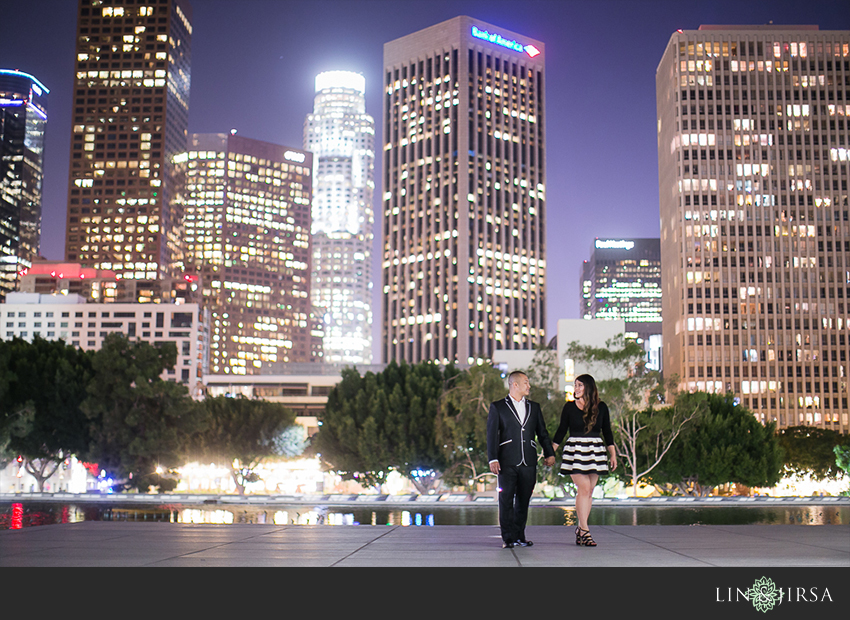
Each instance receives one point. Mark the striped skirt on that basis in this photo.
(584, 455)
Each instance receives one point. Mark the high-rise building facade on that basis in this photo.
(23, 119)
(130, 118)
(622, 280)
(755, 236)
(464, 184)
(246, 227)
(341, 137)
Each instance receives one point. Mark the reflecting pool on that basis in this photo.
(16, 515)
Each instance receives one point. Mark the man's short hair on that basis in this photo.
(514, 377)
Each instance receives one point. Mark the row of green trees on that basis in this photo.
(429, 424)
(111, 407)
(423, 421)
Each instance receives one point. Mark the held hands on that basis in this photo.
(551, 460)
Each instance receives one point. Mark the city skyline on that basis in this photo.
(602, 74)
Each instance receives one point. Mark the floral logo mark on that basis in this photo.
(764, 594)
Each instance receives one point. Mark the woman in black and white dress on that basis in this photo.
(587, 451)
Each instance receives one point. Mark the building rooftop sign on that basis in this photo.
(500, 40)
(295, 156)
(611, 244)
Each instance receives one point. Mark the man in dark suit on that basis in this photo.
(512, 425)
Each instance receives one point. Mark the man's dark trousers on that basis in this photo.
(516, 484)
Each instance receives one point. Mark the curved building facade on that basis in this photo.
(23, 117)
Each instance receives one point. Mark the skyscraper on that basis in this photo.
(341, 137)
(755, 240)
(622, 280)
(23, 117)
(130, 117)
(246, 226)
(464, 184)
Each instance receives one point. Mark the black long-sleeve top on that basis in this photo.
(572, 420)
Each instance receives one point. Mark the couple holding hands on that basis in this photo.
(512, 425)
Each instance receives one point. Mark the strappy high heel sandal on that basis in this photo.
(584, 539)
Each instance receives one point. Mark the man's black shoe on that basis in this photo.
(508, 545)
(524, 543)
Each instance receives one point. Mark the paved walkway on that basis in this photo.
(108, 544)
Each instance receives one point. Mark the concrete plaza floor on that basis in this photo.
(125, 544)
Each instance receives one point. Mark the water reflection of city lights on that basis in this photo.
(17, 516)
(204, 516)
(417, 519)
(341, 519)
(313, 517)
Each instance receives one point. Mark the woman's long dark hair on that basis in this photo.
(591, 401)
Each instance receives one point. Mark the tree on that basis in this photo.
(346, 440)
(45, 386)
(291, 443)
(461, 425)
(544, 373)
(619, 368)
(724, 445)
(809, 450)
(240, 432)
(16, 424)
(385, 421)
(15, 419)
(642, 452)
(139, 423)
(842, 460)
(643, 433)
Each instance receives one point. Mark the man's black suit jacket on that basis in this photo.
(511, 442)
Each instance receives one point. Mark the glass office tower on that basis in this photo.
(755, 238)
(341, 137)
(130, 118)
(622, 280)
(246, 226)
(464, 184)
(23, 118)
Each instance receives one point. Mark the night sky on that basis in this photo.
(254, 63)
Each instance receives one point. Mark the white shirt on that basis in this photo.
(519, 405)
